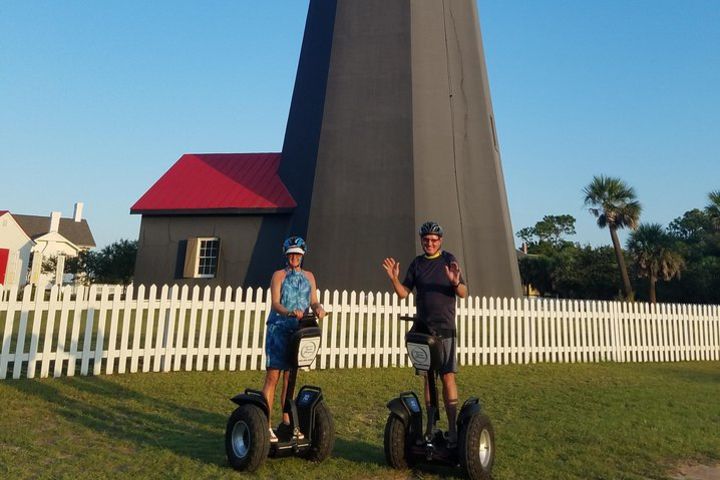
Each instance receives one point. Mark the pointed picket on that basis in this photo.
(356, 332)
(78, 307)
(234, 349)
(127, 316)
(262, 305)
(10, 306)
(140, 314)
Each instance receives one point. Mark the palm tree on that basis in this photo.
(651, 249)
(614, 204)
(713, 208)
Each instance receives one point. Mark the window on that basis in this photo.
(208, 257)
(201, 257)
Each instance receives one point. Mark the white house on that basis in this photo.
(15, 248)
(49, 237)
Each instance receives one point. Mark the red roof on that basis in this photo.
(219, 183)
(3, 212)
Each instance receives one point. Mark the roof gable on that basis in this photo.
(76, 232)
(55, 237)
(219, 183)
(15, 222)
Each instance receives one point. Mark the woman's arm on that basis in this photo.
(316, 306)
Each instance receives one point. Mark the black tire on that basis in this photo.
(476, 447)
(247, 441)
(323, 434)
(395, 447)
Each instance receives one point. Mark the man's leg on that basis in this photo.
(450, 397)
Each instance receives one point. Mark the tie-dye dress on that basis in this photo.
(294, 295)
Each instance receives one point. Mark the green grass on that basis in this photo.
(597, 421)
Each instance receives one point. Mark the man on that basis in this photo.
(437, 278)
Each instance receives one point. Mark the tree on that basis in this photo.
(692, 227)
(697, 239)
(536, 270)
(713, 208)
(586, 272)
(614, 205)
(549, 230)
(654, 257)
(74, 265)
(113, 264)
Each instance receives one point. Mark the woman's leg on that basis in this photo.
(283, 395)
(271, 380)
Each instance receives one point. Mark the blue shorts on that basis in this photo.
(449, 363)
(277, 340)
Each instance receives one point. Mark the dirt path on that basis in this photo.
(697, 472)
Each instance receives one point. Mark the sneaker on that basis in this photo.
(450, 440)
(273, 437)
(298, 434)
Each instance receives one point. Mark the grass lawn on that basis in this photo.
(596, 421)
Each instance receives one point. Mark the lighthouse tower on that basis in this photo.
(391, 124)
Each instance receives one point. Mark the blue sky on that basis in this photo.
(99, 99)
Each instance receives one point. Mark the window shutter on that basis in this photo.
(191, 258)
(180, 259)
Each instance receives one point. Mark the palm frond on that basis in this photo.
(612, 201)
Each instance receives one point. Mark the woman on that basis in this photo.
(293, 290)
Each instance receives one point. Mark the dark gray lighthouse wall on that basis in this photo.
(406, 135)
(458, 175)
(363, 193)
(391, 125)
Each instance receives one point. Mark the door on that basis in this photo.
(4, 255)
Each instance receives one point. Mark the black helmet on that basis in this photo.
(294, 244)
(430, 228)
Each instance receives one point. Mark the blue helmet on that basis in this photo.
(294, 244)
(430, 228)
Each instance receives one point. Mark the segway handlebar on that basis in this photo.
(309, 319)
(310, 315)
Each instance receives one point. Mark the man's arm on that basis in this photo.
(455, 276)
(461, 290)
(392, 268)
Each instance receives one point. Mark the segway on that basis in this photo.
(407, 443)
(247, 440)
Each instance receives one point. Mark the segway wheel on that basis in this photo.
(323, 434)
(476, 447)
(395, 447)
(247, 441)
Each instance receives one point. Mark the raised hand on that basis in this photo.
(453, 273)
(392, 268)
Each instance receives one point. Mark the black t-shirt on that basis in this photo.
(435, 297)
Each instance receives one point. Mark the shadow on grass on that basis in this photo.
(120, 413)
(696, 376)
(366, 453)
(358, 452)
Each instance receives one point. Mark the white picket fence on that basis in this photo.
(106, 330)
